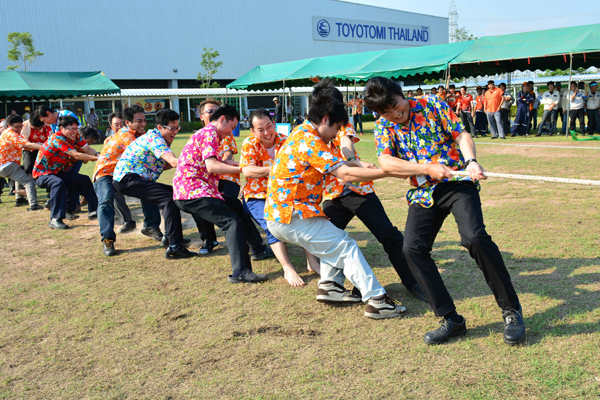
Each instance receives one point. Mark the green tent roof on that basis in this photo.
(17, 85)
(547, 49)
(393, 63)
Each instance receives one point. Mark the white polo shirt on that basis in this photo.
(547, 99)
(593, 100)
(577, 102)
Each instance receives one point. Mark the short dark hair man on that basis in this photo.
(278, 110)
(550, 99)
(357, 104)
(53, 170)
(140, 166)
(293, 213)
(593, 107)
(521, 122)
(50, 116)
(410, 142)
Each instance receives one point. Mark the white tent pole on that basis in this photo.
(284, 111)
(569, 92)
(189, 110)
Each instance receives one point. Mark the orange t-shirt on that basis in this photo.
(479, 103)
(493, 99)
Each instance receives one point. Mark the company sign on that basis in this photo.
(350, 30)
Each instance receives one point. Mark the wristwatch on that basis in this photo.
(469, 161)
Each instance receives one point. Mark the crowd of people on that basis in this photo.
(303, 190)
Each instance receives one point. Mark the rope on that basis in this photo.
(539, 145)
(533, 178)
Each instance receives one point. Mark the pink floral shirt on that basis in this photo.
(192, 179)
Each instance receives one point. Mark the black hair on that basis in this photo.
(326, 99)
(463, 86)
(380, 94)
(530, 82)
(228, 111)
(490, 81)
(441, 87)
(34, 120)
(116, 114)
(88, 131)
(166, 115)
(14, 119)
(451, 86)
(67, 120)
(260, 114)
(502, 84)
(42, 111)
(550, 83)
(129, 112)
(592, 83)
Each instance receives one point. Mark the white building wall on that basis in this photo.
(132, 39)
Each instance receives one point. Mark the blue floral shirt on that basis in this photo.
(63, 113)
(428, 137)
(143, 157)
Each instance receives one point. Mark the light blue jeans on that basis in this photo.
(339, 253)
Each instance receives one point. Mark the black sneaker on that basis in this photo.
(447, 329)
(70, 216)
(93, 215)
(128, 227)
(268, 253)
(180, 252)
(333, 292)
(153, 233)
(165, 242)
(383, 306)
(248, 276)
(514, 326)
(35, 207)
(21, 202)
(108, 247)
(57, 224)
(207, 247)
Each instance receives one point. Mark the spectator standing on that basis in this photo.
(505, 107)
(480, 118)
(550, 99)
(521, 125)
(452, 98)
(357, 104)
(434, 91)
(532, 108)
(577, 100)
(466, 110)
(278, 110)
(92, 118)
(81, 117)
(419, 92)
(593, 105)
(493, 100)
(562, 107)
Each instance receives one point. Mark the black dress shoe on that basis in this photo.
(447, 329)
(514, 326)
(180, 252)
(494, 137)
(128, 227)
(57, 224)
(248, 276)
(70, 216)
(21, 202)
(153, 233)
(165, 242)
(416, 291)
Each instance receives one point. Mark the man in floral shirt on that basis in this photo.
(34, 131)
(423, 138)
(51, 117)
(196, 190)
(114, 146)
(293, 211)
(11, 145)
(258, 152)
(53, 170)
(344, 200)
(139, 168)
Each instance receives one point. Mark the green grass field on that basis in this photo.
(77, 325)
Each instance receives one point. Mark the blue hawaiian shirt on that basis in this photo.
(429, 137)
(63, 113)
(143, 157)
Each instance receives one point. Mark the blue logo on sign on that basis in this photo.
(323, 28)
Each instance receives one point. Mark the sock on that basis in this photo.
(236, 273)
(454, 317)
(173, 247)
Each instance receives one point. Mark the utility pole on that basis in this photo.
(452, 22)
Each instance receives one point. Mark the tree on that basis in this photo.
(462, 35)
(21, 51)
(211, 67)
(559, 72)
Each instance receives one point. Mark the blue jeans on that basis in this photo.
(495, 122)
(255, 208)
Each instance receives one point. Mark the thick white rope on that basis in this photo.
(534, 178)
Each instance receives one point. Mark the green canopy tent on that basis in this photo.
(23, 86)
(431, 61)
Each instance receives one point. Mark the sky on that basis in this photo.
(490, 18)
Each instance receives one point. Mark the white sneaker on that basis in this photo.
(332, 292)
(382, 306)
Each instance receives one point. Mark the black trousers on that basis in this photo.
(575, 115)
(28, 160)
(422, 226)
(480, 122)
(370, 211)
(504, 114)
(467, 120)
(155, 193)
(357, 119)
(230, 217)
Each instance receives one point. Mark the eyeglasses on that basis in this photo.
(211, 111)
(172, 128)
(69, 128)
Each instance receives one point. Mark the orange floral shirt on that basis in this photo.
(357, 105)
(229, 144)
(11, 144)
(114, 146)
(335, 186)
(297, 177)
(254, 153)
